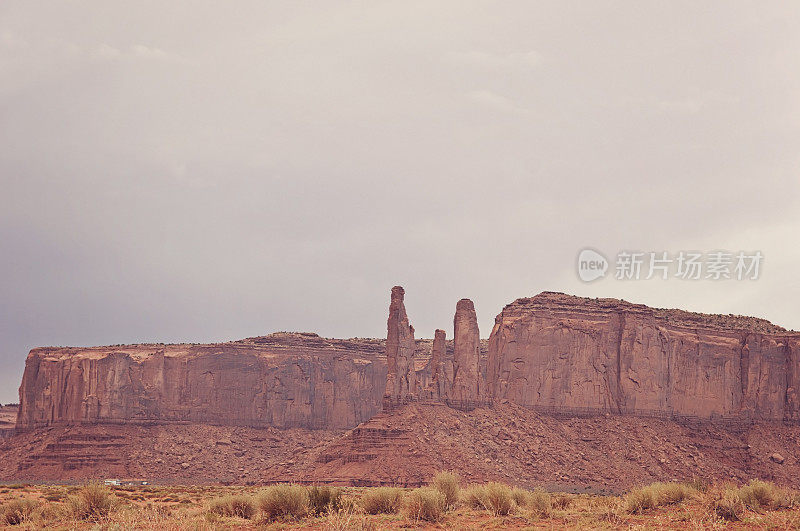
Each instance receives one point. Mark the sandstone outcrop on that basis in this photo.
(439, 369)
(282, 380)
(559, 351)
(401, 378)
(467, 382)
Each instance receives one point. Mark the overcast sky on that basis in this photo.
(199, 171)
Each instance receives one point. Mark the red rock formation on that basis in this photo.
(467, 385)
(401, 378)
(554, 350)
(282, 380)
(516, 445)
(8, 419)
(438, 386)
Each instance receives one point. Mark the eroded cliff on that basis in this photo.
(283, 380)
(555, 350)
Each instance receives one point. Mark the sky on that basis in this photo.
(208, 171)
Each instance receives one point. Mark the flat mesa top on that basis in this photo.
(556, 301)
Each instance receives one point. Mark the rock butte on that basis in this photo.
(551, 354)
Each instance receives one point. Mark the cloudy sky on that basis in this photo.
(210, 171)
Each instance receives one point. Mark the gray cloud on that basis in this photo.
(188, 171)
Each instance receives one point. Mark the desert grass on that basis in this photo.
(538, 501)
(448, 484)
(346, 519)
(284, 501)
(724, 502)
(93, 502)
(642, 499)
(425, 503)
(755, 504)
(17, 511)
(239, 506)
(382, 500)
(324, 499)
(494, 497)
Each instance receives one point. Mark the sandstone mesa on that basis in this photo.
(553, 354)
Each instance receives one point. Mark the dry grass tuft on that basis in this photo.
(725, 502)
(448, 484)
(347, 520)
(655, 495)
(494, 497)
(278, 501)
(540, 502)
(324, 499)
(92, 502)
(561, 501)
(238, 506)
(426, 503)
(764, 495)
(17, 512)
(382, 500)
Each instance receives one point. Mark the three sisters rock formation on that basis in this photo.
(548, 352)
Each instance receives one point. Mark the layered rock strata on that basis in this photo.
(562, 352)
(282, 380)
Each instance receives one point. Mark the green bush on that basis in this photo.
(324, 499)
(448, 484)
(382, 500)
(16, 512)
(92, 502)
(284, 501)
(240, 506)
(426, 503)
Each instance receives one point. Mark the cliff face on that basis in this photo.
(556, 350)
(282, 380)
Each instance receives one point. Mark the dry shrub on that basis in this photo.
(520, 496)
(540, 502)
(92, 502)
(763, 495)
(239, 506)
(493, 497)
(655, 495)
(639, 500)
(16, 512)
(324, 499)
(725, 502)
(672, 493)
(284, 501)
(561, 501)
(447, 483)
(347, 520)
(426, 503)
(474, 496)
(382, 500)
(698, 484)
